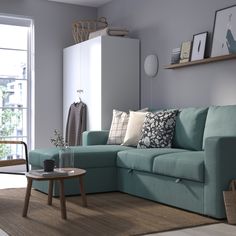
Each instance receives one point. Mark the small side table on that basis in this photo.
(72, 173)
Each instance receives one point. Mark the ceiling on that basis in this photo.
(89, 3)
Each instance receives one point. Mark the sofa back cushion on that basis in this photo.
(189, 128)
(220, 121)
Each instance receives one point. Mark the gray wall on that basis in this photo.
(162, 25)
(53, 22)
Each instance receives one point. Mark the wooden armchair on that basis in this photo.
(16, 161)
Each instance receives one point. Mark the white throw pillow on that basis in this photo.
(118, 127)
(134, 128)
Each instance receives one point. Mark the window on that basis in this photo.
(16, 84)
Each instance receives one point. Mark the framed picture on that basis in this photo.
(175, 56)
(185, 51)
(224, 32)
(199, 45)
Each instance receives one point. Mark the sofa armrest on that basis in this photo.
(95, 137)
(220, 168)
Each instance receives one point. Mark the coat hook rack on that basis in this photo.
(79, 91)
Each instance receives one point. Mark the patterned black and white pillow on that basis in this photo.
(158, 129)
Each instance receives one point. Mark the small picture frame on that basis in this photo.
(224, 32)
(185, 51)
(175, 56)
(199, 45)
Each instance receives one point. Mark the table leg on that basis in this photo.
(50, 187)
(81, 185)
(27, 196)
(62, 199)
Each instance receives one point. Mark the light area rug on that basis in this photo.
(107, 214)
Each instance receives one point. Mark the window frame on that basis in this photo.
(17, 20)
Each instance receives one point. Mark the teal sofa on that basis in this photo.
(191, 175)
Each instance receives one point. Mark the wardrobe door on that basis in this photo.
(71, 79)
(91, 81)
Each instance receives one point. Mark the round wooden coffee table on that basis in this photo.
(70, 173)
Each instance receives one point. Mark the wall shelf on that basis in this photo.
(203, 61)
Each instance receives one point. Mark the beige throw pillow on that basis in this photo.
(134, 128)
(118, 126)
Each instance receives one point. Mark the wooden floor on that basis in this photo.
(221, 229)
(208, 230)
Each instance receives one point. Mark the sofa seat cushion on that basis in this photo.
(187, 165)
(142, 159)
(84, 157)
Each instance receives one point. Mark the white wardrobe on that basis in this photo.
(106, 69)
